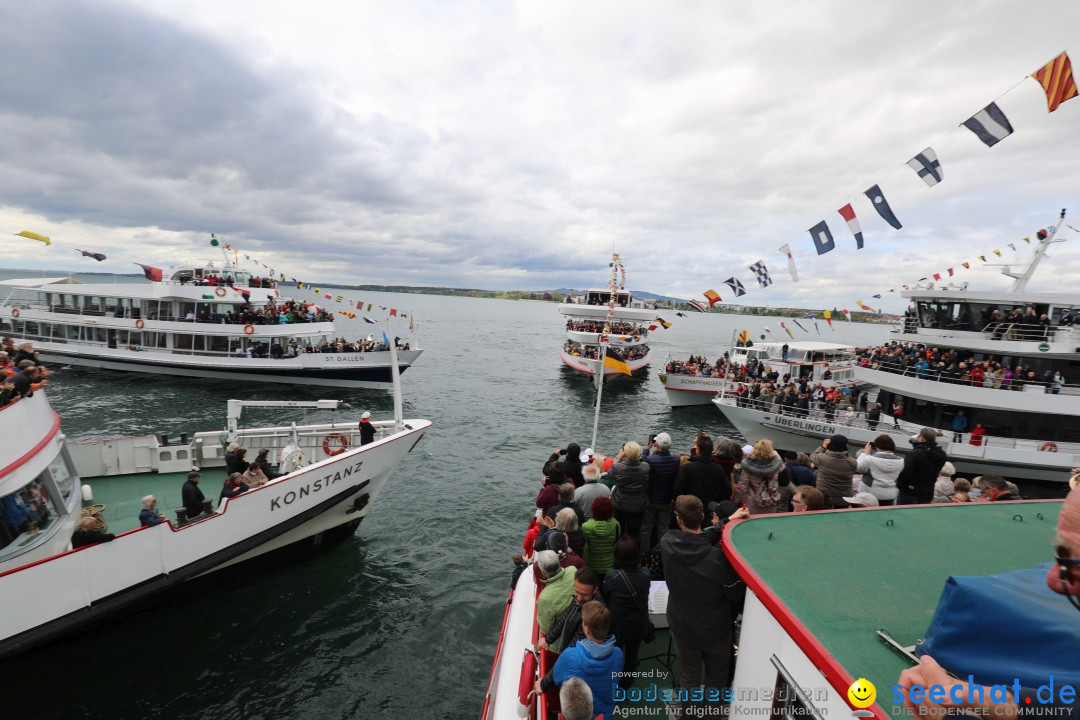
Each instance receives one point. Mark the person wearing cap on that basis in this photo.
(835, 470)
(861, 499)
(921, 467)
(192, 496)
(150, 515)
(571, 462)
(961, 695)
(367, 430)
(262, 462)
(663, 468)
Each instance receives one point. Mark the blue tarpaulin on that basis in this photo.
(1002, 627)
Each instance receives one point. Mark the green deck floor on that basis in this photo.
(845, 575)
(122, 494)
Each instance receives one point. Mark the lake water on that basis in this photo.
(399, 621)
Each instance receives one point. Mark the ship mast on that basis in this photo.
(613, 288)
(1020, 280)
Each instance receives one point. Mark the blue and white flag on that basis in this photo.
(990, 125)
(822, 237)
(927, 166)
(882, 206)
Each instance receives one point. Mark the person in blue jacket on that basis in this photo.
(595, 660)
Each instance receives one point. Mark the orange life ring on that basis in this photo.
(248, 329)
(14, 312)
(139, 323)
(220, 292)
(1049, 447)
(343, 443)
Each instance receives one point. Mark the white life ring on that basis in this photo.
(139, 323)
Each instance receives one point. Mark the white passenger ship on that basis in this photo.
(203, 320)
(1029, 424)
(607, 322)
(825, 364)
(47, 589)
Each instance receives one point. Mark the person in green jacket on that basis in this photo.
(557, 594)
(601, 532)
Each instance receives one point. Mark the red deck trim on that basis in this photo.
(834, 672)
(34, 450)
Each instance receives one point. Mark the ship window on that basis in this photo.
(63, 474)
(24, 515)
(790, 702)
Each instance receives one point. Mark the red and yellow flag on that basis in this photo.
(713, 297)
(1057, 80)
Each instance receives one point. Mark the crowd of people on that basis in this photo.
(608, 328)
(960, 367)
(606, 527)
(21, 371)
(592, 352)
(213, 280)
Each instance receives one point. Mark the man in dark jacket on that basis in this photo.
(703, 478)
(921, 466)
(192, 496)
(703, 592)
(663, 468)
(367, 430)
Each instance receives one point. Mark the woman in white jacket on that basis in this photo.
(880, 466)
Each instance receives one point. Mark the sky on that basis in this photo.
(512, 145)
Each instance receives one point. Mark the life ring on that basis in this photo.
(343, 443)
(248, 329)
(220, 292)
(1049, 447)
(14, 312)
(139, 323)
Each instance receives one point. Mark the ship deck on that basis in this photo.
(833, 579)
(122, 494)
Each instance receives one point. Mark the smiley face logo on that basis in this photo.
(862, 693)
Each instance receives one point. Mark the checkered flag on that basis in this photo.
(736, 286)
(762, 273)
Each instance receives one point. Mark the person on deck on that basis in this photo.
(192, 496)
(835, 470)
(601, 532)
(921, 466)
(629, 478)
(704, 590)
(880, 466)
(590, 490)
(758, 489)
(367, 430)
(557, 594)
(663, 469)
(89, 532)
(595, 660)
(702, 477)
(234, 485)
(626, 593)
(150, 515)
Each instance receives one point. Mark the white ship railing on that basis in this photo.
(887, 426)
